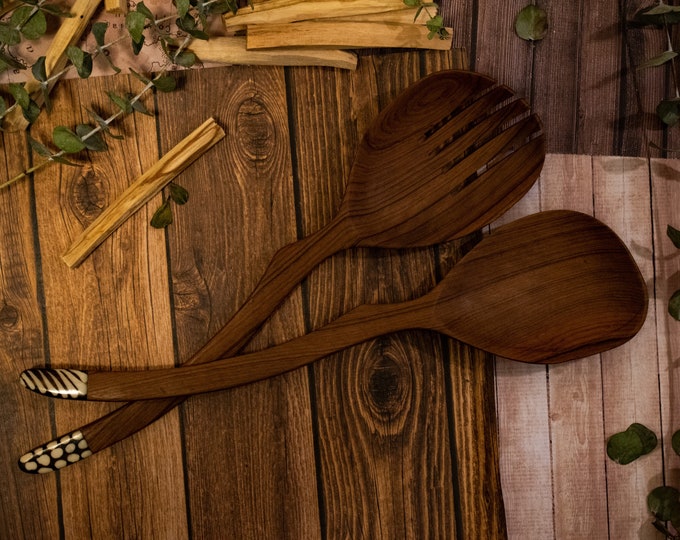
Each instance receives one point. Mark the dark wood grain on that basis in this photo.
(377, 443)
(21, 343)
(257, 439)
(113, 311)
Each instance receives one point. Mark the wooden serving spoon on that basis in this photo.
(549, 287)
(450, 154)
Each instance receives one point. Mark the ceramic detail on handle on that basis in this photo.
(56, 454)
(60, 383)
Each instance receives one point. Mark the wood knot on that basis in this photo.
(255, 130)
(9, 317)
(88, 195)
(387, 389)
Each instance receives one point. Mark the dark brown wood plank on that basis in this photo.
(24, 420)
(249, 452)
(381, 408)
(113, 311)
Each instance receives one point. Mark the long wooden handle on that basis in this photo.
(287, 268)
(357, 326)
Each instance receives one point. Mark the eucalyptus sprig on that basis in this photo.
(192, 18)
(663, 16)
(663, 502)
(435, 22)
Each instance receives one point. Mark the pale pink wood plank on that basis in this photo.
(524, 430)
(666, 201)
(579, 482)
(630, 372)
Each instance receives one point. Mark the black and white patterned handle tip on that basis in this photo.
(59, 383)
(55, 454)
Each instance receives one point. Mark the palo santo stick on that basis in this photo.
(403, 16)
(115, 6)
(69, 33)
(343, 35)
(232, 50)
(143, 189)
(309, 9)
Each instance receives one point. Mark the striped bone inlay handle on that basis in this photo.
(61, 383)
(56, 454)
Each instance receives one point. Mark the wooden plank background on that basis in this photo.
(319, 452)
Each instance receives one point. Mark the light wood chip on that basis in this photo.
(143, 189)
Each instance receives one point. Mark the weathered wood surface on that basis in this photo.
(369, 443)
(386, 440)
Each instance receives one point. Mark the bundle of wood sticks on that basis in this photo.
(334, 24)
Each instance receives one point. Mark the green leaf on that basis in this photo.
(31, 112)
(61, 159)
(165, 83)
(658, 60)
(93, 142)
(66, 140)
(675, 442)
(20, 95)
(39, 148)
(163, 216)
(141, 7)
(674, 235)
(141, 77)
(139, 107)
(99, 32)
(121, 102)
(674, 305)
(185, 59)
(182, 7)
(10, 61)
(135, 22)
(137, 46)
(178, 194)
(188, 24)
(627, 446)
(668, 110)
(664, 503)
(35, 27)
(56, 10)
(531, 23)
(20, 15)
(81, 60)
(436, 27)
(103, 124)
(647, 436)
(9, 35)
(38, 70)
